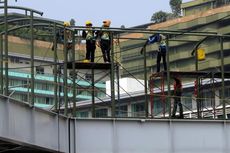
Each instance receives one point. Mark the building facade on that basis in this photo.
(20, 75)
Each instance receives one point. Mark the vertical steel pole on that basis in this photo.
(118, 88)
(146, 84)
(213, 95)
(55, 69)
(168, 75)
(222, 77)
(93, 93)
(74, 74)
(1, 64)
(65, 73)
(6, 48)
(112, 76)
(32, 58)
(198, 103)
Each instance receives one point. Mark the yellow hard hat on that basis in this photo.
(88, 23)
(106, 23)
(66, 23)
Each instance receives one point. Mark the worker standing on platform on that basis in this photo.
(177, 97)
(162, 49)
(89, 35)
(69, 40)
(105, 41)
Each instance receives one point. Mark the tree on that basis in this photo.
(122, 26)
(72, 22)
(176, 7)
(159, 16)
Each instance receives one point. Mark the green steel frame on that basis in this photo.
(113, 31)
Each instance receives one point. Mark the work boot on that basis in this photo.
(85, 61)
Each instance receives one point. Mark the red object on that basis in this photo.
(195, 88)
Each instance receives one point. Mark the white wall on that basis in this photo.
(127, 85)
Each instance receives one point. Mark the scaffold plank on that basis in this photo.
(90, 65)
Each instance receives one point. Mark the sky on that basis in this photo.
(121, 12)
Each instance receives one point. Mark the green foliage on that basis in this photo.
(176, 7)
(159, 16)
(122, 26)
(72, 22)
(162, 16)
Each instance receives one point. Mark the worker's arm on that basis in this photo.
(152, 39)
(142, 49)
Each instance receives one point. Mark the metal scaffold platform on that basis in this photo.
(89, 65)
(193, 74)
(160, 87)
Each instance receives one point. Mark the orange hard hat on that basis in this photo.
(106, 23)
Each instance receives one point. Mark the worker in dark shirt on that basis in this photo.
(89, 35)
(177, 98)
(162, 49)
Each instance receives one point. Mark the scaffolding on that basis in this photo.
(115, 34)
(200, 83)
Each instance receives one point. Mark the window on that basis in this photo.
(187, 101)
(14, 60)
(207, 99)
(39, 70)
(83, 114)
(138, 110)
(101, 113)
(122, 111)
(158, 106)
(228, 115)
(47, 100)
(220, 116)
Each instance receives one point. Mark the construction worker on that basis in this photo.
(177, 97)
(60, 39)
(89, 35)
(162, 49)
(105, 41)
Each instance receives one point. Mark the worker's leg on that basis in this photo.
(107, 46)
(92, 51)
(163, 54)
(108, 54)
(87, 56)
(180, 106)
(92, 56)
(103, 50)
(174, 108)
(158, 61)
